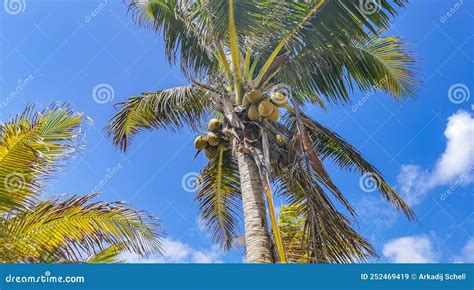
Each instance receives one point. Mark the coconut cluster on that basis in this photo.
(261, 106)
(212, 140)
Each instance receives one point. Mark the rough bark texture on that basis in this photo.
(257, 239)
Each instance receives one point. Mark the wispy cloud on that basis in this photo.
(378, 213)
(457, 161)
(178, 252)
(411, 249)
(467, 253)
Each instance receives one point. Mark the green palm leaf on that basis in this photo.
(376, 63)
(66, 229)
(218, 195)
(326, 236)
(382, 62)
(32, 147)
(180, 44)
(295, 231)
(170, 109)
(110, 255)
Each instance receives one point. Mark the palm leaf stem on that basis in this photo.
(285, 39)
(234, 48)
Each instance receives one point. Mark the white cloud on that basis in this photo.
(410, 249)
(467, 253)
(413, 183)
(455, 163)
(459, 153)
(178, 252)
(378, 214)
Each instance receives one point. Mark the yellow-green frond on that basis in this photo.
(66, 229)
(32, 146)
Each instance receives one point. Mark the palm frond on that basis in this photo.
(338, 22)
(382, 63)
(170, 109)
(302, 155)
(32, 147)
(296, 230)
(374, 63)
(180, 43)
(218, 195)
(331, 145)
(64, 230)
(109, 255)
(256, 21)
(325, 236)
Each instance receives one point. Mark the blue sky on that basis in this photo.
(61, 50)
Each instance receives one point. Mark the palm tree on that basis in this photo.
(253, 66)
(291, 225)
(33, 146)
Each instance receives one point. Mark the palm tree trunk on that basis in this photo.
(257, 238)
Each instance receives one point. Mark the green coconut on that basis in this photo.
(254, 96)
(212, 139)
(274, 115)
(279, 99)
(200, 142)
(211, 152)
(214, 125)
(265, 108)
(245, 102)
(253, 113)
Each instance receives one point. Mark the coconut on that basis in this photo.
(211, 152)
(274, 115)
(214, 125)
(212, 139)
(200, 142)
(254, 96)
(253, 113)
(265, 108)
(279, 99)
(245, 102)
